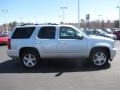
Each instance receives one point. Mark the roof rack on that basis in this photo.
(25, 24)
(52, 24)
(39, 24)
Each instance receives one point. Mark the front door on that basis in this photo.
(69, 45)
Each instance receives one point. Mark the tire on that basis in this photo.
(99, 57)
(30, 59)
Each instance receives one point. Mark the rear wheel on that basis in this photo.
(99, 57)
(30, 59)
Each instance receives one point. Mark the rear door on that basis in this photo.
(47, 42)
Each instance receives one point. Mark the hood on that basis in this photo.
(112, 35)
(100, 38)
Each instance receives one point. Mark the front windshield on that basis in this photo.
(108, 31)
(103, 32)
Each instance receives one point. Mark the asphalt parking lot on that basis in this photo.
(59, 75)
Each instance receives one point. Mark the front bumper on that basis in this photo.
(113, 53)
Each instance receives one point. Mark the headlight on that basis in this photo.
(113, 44)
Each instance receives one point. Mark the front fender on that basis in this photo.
(98, 45)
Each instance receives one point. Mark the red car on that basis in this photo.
(4, 39)
(117, 33)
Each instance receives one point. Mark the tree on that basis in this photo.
(108, 24)
(11, 25)
(116, 23)
(82, 24)
(102, 24)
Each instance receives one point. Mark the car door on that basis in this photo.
(47, 42)
(69, 45)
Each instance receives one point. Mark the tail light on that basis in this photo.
(9, 43)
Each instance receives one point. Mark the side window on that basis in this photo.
(67, 33)
(23, 33)
(47, 33)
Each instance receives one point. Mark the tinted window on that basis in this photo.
(23, 33)
(67, 33)
(47, 33)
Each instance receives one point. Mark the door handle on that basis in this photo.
(38, 42)
(62, 43)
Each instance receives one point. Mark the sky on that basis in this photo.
(49, 11)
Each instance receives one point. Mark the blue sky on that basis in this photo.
(44, 11)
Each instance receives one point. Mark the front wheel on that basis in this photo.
(99, 57)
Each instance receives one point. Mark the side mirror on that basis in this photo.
(79, 36)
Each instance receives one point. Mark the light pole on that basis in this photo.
(63, 9)
(119, 15)
(78, 13)
(99, 20)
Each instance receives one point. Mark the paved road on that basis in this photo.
(59, 75)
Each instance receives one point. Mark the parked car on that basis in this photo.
(107, 30)
(99, 32)
(117, 33)
(109, 33)
(4, 39)
(33, 43)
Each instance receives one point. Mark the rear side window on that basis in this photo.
(47, 33)
(23, 33)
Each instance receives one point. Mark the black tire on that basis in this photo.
(99, 57)
(30, 59)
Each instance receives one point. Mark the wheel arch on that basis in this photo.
(101, 47)
(28, 49)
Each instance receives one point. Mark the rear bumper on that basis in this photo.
(3, 42)
(13, 53)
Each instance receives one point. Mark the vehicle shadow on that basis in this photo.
(3, 44)
(50, 66)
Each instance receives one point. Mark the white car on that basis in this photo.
(32, 43)
(109, 33)
(99, 32)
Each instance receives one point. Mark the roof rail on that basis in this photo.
(52, 24)
(39, 24)
(26, 24)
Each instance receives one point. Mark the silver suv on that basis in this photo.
(31, 43)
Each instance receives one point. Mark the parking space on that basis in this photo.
(59, 74)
